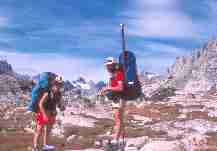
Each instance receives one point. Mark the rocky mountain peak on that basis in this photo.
(81, 80)
(197, 71)
(5, 67)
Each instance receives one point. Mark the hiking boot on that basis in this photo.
(48, 148)
(122, 146)
(112, 146)
(123, 143)
(35, 149)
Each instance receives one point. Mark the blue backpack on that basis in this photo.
(132, 86)
(41, 86)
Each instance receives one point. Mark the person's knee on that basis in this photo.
(39, 129)
(37, 134)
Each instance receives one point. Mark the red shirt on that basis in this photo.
(117, 78)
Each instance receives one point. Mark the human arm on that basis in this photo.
(119, 83)
(60, 103)
(117, 88)
(41, 105)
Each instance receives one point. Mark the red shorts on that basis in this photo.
(40, 119)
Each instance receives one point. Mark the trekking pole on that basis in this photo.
(124, 68)
(123, 37)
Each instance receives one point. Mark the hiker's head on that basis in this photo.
(57, 84)
(110, 64)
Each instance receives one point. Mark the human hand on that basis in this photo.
(62, 108)
(107, 88)
(103, 91)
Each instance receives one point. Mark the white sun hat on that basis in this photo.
(59, 79)
(110, 60)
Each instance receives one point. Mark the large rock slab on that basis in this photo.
(163, 146)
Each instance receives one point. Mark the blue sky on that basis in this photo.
(73, 37)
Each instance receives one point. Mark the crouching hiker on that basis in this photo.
(114, 91)
(46, 97)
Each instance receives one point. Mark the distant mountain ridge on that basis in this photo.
(197, 72)
(5, 67)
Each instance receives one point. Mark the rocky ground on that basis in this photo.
(176, 113)
(184, 122)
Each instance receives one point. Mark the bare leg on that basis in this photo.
(45, 138)
(117, 126)
(123, 104)
(119, 121)
(37, 135)
(48, 128)
(47, 131)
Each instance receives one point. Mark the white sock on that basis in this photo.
(114, 141)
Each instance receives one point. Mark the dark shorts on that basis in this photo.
(114, 96)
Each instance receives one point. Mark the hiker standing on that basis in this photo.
(124, 85)
(48, 98)
(114, 91)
